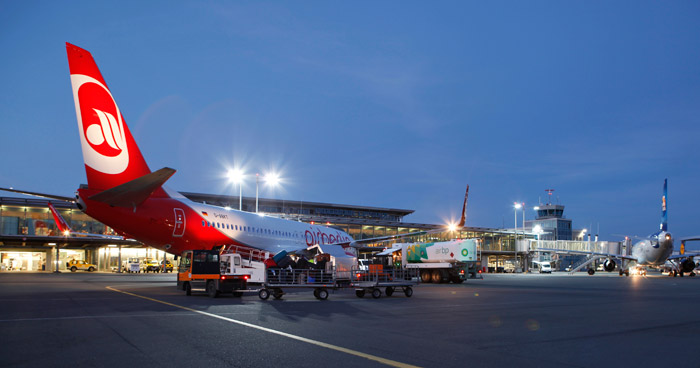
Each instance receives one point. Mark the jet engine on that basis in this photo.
(609, 265)
(687, 265)
(79, 202)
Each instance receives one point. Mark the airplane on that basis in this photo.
(66, 230)
(653, 250)
(123, 193)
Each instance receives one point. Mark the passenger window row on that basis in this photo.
(250, 229)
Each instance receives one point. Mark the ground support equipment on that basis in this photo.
(373, 280)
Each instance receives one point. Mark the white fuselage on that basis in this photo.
(266, 232)
(653, 251)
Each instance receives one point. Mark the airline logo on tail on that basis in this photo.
(101, 126)
(663, 203)
(664, 215)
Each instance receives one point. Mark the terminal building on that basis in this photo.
(31, 241)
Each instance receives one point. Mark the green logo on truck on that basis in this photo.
(465, 252)
(418, 252)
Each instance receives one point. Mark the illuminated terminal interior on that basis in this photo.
(29, 235)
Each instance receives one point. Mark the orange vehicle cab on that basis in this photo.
(200, 270)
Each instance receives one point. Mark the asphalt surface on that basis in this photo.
(523, 320)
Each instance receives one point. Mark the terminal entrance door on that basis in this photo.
(22, 261)
(179, 222)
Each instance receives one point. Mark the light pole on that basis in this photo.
(236, 176)
(516, 207)
(257, 180)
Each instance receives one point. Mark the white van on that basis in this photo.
(131, 265)
(545, 267)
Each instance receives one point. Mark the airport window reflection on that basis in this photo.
(12, 220)
(35, 222)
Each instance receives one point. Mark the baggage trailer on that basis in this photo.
(279, 279)
(377, 277)
(331, 270)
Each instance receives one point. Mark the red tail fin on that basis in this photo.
(110, 153)
(63, 226)
(464, 209)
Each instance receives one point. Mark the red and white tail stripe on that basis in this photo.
(110, 153)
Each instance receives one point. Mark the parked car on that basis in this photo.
(168, 265)
(151, 265)
(509, 268)
(79, 264)
(131, 265)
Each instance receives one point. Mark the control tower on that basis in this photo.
(550, 218)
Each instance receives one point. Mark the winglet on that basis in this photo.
(63, 226)
(464, 209)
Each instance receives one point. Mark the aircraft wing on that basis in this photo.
(43, 195)
(381, 239)
(681, 256)
(64, 228)
(101, 236)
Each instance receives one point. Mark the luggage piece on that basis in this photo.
(285, 261)
(270, 263)
(278, 257)
(302, 263)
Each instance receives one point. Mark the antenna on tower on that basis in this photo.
(549, 195)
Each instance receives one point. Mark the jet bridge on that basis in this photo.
(576, 246)
(591, 251)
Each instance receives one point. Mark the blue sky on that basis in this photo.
(391, 104)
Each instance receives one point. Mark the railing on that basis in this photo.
(381, 274)
(606, 247)
(248, 253)
(307, 277)
(583, 263)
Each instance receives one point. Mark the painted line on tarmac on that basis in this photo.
(341, 349)
(91, 317)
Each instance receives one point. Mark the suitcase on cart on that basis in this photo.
(278, 257)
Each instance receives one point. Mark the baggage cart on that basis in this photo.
(278, 279)
(377, 277)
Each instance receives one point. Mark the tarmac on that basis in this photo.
(519, 320)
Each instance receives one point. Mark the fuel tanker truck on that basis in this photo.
(439, 262)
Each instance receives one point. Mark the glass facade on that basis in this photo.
(32, 217)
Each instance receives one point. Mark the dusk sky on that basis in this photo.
(395, 104)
